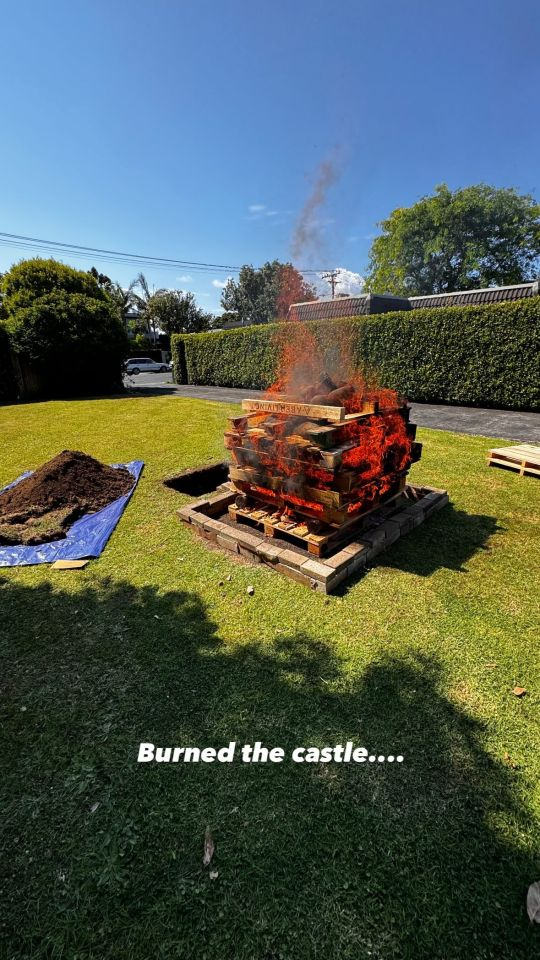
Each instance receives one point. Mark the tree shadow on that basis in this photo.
(449, 538)
(126, 393)
(103, 856)
(134, 392)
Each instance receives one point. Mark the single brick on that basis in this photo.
(354, 547)
(339, 561)
(292, 559)
(215, 525)
(249, 553)
(208, 534)
(392, 531)
(228, 542)
(339, 577)
(317, 569)
(269, 552)
(374, 537)
(359, 561)
(198, 519)
(294, 574)
(246, 539)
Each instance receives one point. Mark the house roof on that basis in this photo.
(516, 291)
(329, 309)
(372, 303)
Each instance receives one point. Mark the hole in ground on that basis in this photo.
(199, 480)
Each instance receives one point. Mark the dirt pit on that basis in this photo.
(42, 507)
(199, 480)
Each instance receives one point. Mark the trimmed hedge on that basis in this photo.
(476, 356)
(8, 386)
(245, 357)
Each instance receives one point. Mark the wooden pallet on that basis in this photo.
(524, 458)
(392, 521)
(319, 543)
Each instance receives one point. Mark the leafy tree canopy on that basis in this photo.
(265, 294)
(30, 279)
(176, 311)
(51, 310)
(101, 278)
(478, 236)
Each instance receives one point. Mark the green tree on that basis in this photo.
(122, 296)
(265, 294)
(141, 298)
(176, 311)
(64, 325)
(123, 300)
(101, 278)
(478, 236)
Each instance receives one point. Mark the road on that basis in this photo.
(507, 424)
(148, 380)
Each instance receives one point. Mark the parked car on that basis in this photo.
(146, 365)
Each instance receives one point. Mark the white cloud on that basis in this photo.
(259, 211)
(220, 284)
(349, 282)
(185, 278)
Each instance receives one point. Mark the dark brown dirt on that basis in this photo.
(42, 507)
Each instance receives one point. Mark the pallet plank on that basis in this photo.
(524, 458)
(317, 544)
(290, 408)
(522, 468)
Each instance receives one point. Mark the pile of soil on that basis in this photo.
(44, 506)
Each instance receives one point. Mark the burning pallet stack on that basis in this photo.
(315, 469)
(317, 483)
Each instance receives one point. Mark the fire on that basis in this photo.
(287, 498)
(315, 464)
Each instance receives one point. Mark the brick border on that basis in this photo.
(391, 522)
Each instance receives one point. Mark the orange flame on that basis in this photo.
(374, 450)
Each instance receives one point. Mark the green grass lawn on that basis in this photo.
(430, 858)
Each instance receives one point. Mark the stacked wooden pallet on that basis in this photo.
(523, 457)
(295, 455)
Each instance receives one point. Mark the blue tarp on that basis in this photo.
(85, 538)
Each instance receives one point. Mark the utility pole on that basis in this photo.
(332, 278)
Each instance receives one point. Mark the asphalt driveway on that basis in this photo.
(508, 424)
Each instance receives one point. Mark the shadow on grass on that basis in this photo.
(103, 856)
(134, 391)
(448, 539)
(131, 392)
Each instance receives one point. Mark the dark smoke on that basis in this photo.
(307, 237)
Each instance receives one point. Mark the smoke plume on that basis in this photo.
(307, 239)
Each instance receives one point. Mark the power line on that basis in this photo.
(119, 253)
(116, 256)
(96, 258)
(94, 253)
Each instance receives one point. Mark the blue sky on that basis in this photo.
(194, 130)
